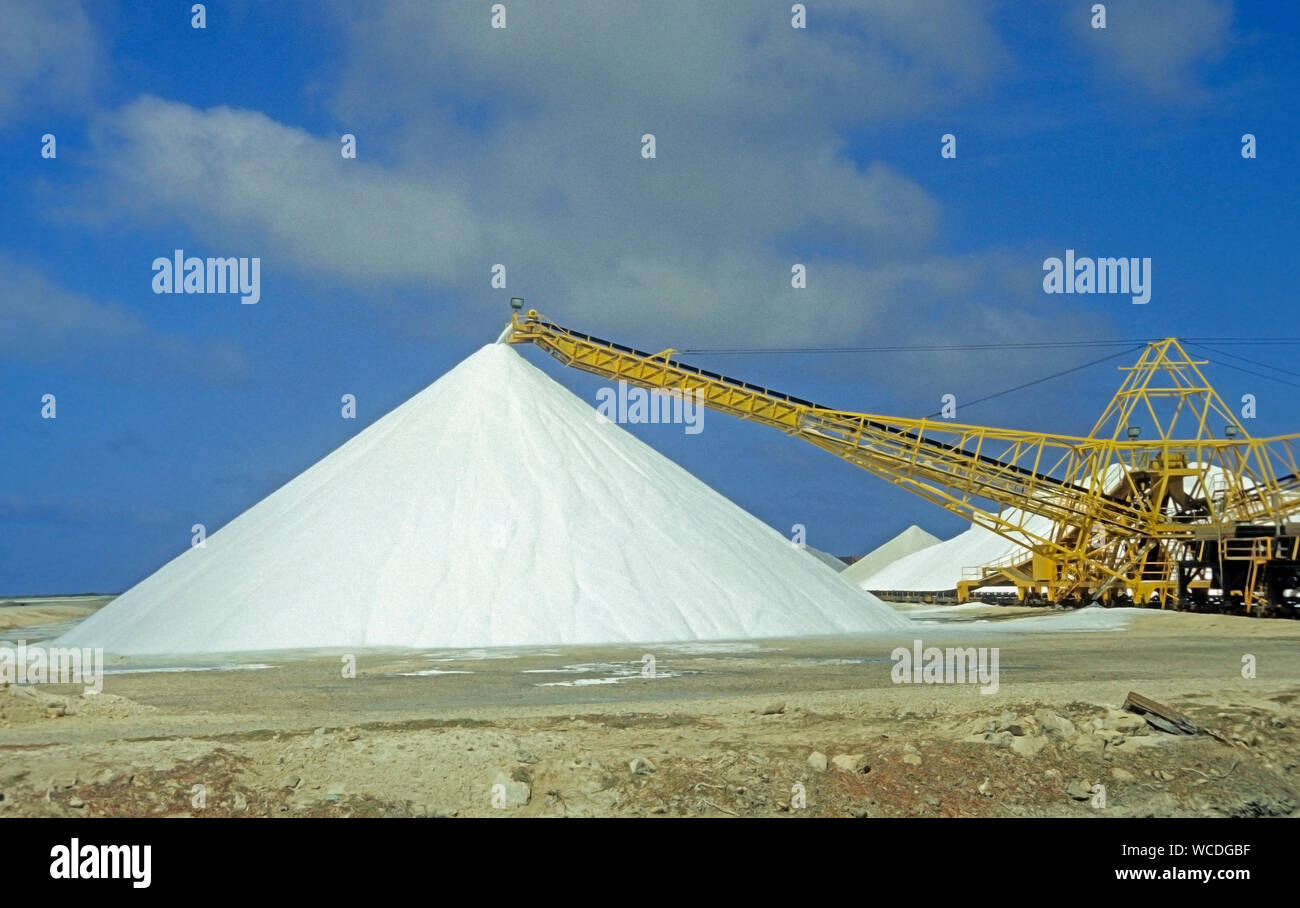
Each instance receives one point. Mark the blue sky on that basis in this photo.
(522, 146)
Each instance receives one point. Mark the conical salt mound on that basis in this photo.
(942, 565)
(492, 509)
(912, 539)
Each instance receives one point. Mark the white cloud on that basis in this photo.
(726, 62)
(1154, 45)
(242, 177)
(41, 322)
(523, 148)
(50, 56)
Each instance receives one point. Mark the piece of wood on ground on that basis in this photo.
(1159, 716)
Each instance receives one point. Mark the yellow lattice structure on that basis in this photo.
(1142, 507)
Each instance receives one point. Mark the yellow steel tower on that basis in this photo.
(1166, 500)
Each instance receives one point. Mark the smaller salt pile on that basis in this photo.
(826, 558)
(941, 565)
(912, 539)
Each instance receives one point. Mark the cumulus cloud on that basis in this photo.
(1156, 46)
(725, 62)
(523, 147)
(42, 322)
(50, 56)
(240, 174)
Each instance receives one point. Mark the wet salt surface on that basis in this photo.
(974, 616)
(38, 633)
(582, 682)
(804, 663)
(722, 646)
(473, 655)
(44, 636)
(614, 672)
(931, 623)
(162, 669)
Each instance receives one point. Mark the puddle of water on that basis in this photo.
(614, 672)
(865, 660)
(735, 646)
(163, 669)
(480, 653)
(581, 682)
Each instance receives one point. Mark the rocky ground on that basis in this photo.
(783, 728)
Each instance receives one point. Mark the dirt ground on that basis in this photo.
(812, 727)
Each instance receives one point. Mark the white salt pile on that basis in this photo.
(912, 539)
(941, 565)
(825, 558)
(491, 509)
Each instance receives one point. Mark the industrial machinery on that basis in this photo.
(1167, 500)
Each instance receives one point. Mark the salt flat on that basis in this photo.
(729, 729)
